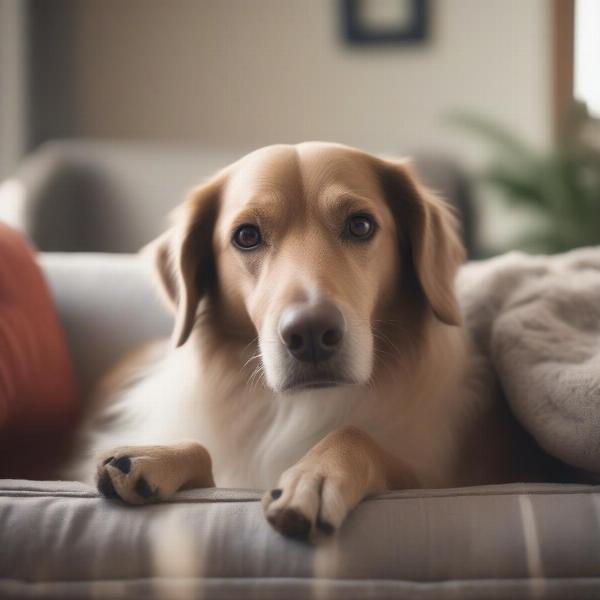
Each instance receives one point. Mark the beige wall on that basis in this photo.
(251, 72)
(13, 92)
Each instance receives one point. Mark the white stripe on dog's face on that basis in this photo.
(304, 231)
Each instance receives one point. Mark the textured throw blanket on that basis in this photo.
(538, 320)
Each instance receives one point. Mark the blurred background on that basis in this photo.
(110, 109)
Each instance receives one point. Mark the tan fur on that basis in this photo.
(413, 406)
(176, 466)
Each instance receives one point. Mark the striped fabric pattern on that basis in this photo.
(506, 541)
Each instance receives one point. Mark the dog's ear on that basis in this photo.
(183, 256)
(431, 230)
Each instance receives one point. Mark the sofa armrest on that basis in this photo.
(44, 199)
(449, 179)
(102, 196)
(107, 304)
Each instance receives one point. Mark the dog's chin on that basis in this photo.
(314, 383)
(285, 376)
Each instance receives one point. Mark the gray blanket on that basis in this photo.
(538, 320)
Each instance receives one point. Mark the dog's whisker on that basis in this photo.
(392, 373)
(386, 340)
(256, 375)
(252, 341)
(255, 357)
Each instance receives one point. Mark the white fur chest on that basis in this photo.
(254, 435)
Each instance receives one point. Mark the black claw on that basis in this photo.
(105, 486)
(122, 463)
(143, 489)
(291, 522)
(276, 493)
(325, 527)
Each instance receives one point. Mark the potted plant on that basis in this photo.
(561, 185)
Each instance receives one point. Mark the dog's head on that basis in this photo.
(311, 249)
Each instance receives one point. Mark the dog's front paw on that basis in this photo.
(307, 501)
(131, 476)
(141, 474)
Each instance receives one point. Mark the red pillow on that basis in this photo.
(38, 398)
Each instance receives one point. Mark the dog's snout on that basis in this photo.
(312, 332)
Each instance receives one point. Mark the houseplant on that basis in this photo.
(560, 186)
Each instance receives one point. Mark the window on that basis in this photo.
(587, 54)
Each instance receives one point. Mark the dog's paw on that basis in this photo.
(133, 475)
(307, 502)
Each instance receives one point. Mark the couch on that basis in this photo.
(62, 540)
(87, 205)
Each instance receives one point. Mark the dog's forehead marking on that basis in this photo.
(268, 172)
(333, 167)
(307, 174)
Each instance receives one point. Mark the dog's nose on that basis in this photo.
(312, 332)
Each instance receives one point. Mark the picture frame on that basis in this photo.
(378, 22)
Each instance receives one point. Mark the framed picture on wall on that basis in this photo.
(384, 21)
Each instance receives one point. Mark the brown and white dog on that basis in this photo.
(319, 347)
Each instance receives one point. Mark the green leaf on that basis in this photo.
(562, 185)
(517, 188)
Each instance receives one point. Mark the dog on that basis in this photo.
(318, 349)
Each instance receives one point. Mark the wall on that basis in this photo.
(246, 73)
(13, 84)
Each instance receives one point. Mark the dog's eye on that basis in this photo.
(247, 237)
(360, 227)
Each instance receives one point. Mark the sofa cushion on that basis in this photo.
(108, 306)
(38, 400)
(505, 541)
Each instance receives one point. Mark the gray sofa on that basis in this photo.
(61, 540)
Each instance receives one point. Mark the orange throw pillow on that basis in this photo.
(38, 398)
